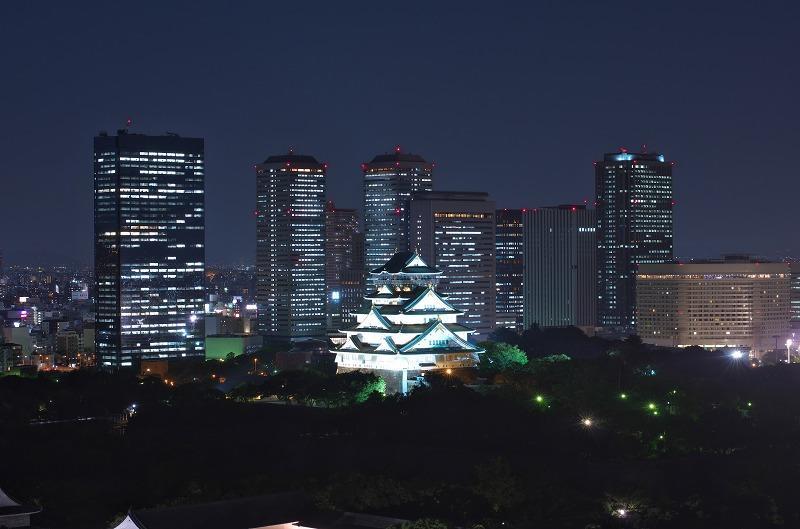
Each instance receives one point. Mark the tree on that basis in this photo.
(500, 356)
(496, 484)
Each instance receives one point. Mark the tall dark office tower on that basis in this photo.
(634, 226)
(509, 268)
(290, 259)
(454, 232)
(560, 272)
(344, 266)
(389, 181)
(149, 248)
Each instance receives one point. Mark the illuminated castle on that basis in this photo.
(406, 327)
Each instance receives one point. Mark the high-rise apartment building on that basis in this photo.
(344, 266)
(454, 232)
(290, 249)
(509, 268)
(634, 226)
(149, 248)
(729, 302)
(389, 182)
(560, 273)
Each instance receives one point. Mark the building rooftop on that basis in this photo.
(716, 267)
(397, 156)
(11, 507)
(258, 511)
(299, 159)
(624, 156)
(451, 195)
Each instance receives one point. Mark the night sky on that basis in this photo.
(516, 99)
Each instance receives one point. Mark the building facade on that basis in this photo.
(344, 266)
(407, 327)
(634, 226)
(794, 270)
(149, 248)
(389, 182)
(560, 272)
(509, 268)
(714, 304)
(290, 247)
(455, 232)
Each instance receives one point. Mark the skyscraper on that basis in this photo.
(560, 272)
(344, 266)
(634, 226)
(149, 247)
(454, 232)
(389, 182)
(290, 250)
(509, 268)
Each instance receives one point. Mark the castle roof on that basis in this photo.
(421, 300)
(11, 507)
(270, 510)
(406, 263)
(435, 337)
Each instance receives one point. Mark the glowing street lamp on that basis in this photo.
(737, 354)
(587, 422)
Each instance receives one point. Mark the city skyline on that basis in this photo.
(529, 140)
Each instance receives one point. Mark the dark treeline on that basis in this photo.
(619, 436)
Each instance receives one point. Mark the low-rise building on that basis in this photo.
(731, 302)
(219, 346)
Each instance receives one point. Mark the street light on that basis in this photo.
(737, 355)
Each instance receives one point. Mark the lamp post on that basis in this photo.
(789, 351)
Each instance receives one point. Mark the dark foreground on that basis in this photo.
(672, 442)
